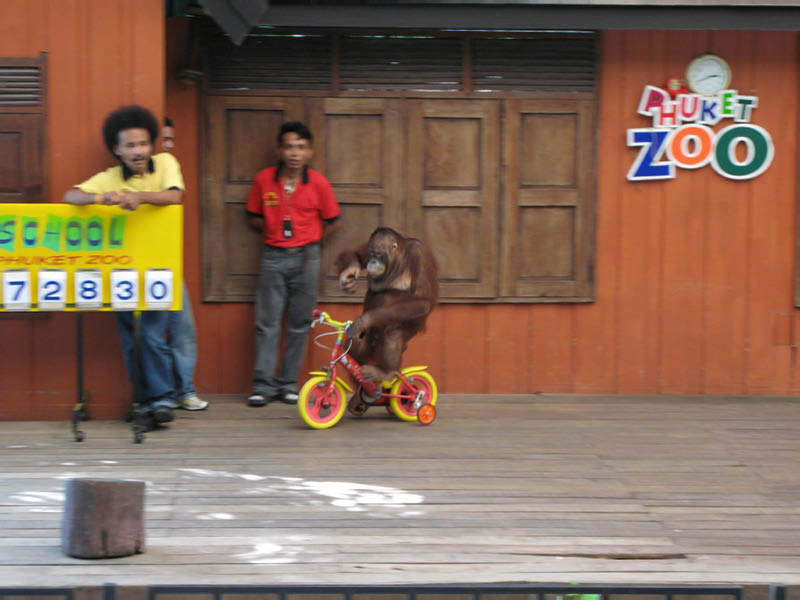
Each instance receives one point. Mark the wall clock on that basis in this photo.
(708, 74)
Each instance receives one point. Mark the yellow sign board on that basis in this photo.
(65, 257)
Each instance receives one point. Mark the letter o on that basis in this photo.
(678, 148)
(759, 156)
(29, 241)
(73, 227)
(94, 234)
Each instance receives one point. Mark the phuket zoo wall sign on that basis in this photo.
(682, 136)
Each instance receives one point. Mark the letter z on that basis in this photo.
(648, 165)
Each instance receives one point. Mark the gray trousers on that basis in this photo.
(288, 281)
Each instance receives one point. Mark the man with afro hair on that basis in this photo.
(141, 178)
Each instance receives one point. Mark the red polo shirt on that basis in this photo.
(309, 204)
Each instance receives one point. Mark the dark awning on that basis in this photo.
(536, 14)
(235, 17)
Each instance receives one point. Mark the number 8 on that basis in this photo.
(88, 289)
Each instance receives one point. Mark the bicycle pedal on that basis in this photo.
(370, 399)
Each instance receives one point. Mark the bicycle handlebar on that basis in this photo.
(320, 316)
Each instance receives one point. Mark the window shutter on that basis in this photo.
(498, 170)
(271, 62)
(23, 128)
(557, 64)
(416, 64)
(20, 85)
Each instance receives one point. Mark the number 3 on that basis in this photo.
(124, 290)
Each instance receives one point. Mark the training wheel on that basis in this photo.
(426, 414)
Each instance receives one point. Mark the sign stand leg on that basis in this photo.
(79, 412)
(139, 420)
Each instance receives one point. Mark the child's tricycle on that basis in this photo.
(410, 395)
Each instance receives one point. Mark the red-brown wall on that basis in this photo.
(100, 54)
(694, 276)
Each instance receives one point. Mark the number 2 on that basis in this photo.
(52, 288)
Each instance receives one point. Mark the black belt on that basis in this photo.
(293, 249)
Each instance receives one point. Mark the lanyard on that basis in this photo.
(288, 190)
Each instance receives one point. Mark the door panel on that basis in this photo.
(242, 136)
(453, 162)
(360, 147)
(549, 204)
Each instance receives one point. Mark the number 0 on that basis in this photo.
(158, 290)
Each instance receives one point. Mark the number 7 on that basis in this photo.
(20, 286)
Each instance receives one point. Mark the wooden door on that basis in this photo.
(359, 145)
(21, 149)
(549, 205)
(453, 163)
(242, 137)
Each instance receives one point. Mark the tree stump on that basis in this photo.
(103, 518)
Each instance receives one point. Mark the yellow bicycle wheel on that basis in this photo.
(320, 403)
(421, 381)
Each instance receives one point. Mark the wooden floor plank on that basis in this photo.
(544, 488)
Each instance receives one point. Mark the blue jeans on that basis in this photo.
(288, 280)
(182, 343)
(156, 381)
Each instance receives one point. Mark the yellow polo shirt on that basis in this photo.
(166, 174)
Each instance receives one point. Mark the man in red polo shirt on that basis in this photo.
(295, 208)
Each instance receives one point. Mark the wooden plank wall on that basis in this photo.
(100, 54)
(693, 276)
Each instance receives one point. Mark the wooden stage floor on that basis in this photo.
(544, 488)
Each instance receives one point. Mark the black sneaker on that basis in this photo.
(162, 414)
(290, 398)
(148, 423)
(257, 400)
